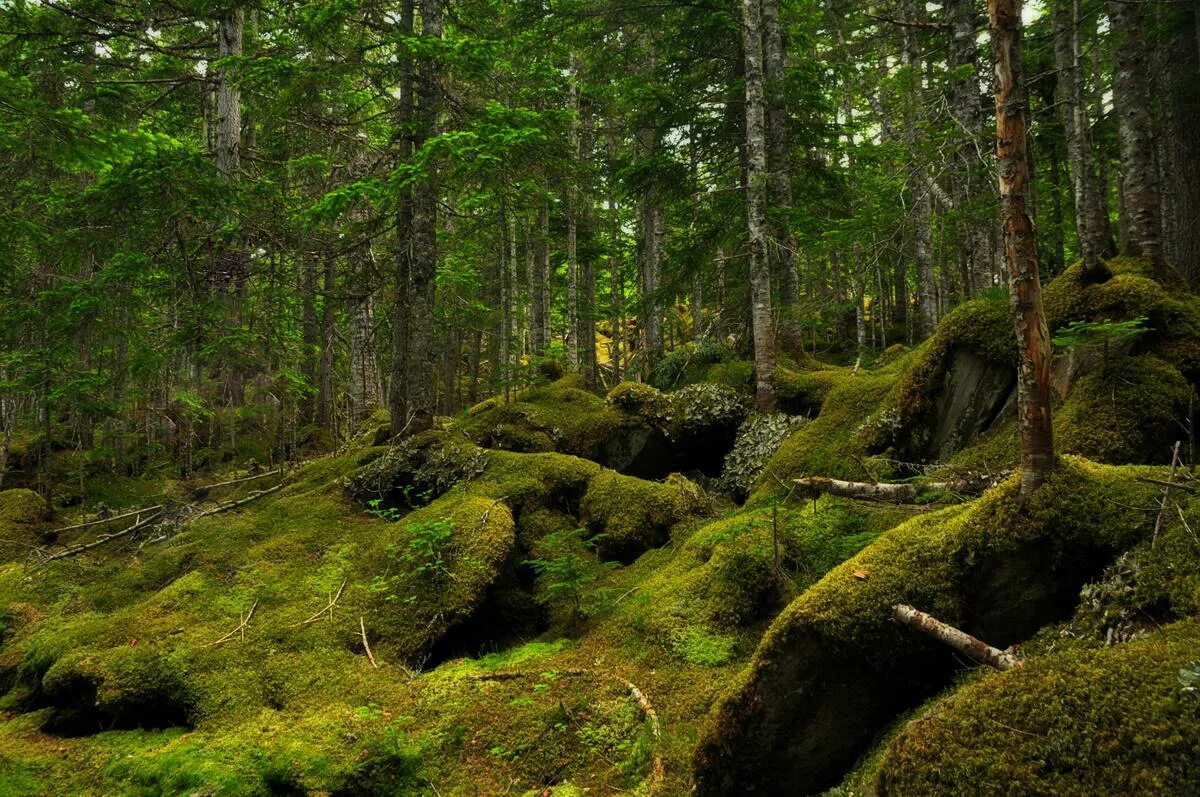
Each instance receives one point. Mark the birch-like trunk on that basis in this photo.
(757, 180)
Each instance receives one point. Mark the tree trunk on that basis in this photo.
(779, 159)
(922, 211)
(504, 332)
(309, 334)
(401, 305)
(756, 206)
(228, 133)
(1091, 207)
(1020, 247)
(573, 227)
(325, 397)
(616, 291)
(651, 255)
(1181, 162)
(962, 18)
(1133, 89)
(364, 368)
(539, 283)
(422, 353)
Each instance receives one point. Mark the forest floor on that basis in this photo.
(575, 593)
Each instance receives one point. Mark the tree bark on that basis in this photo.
(651, 257)
(1132, 91)
(573, 226)
(1091, 207)
(1020, 247)
(539, 287)
(922, 211)
(401, 313)
(1181, 162)
(779, 159)
(364, 368)
(422, 353)
(325, 396)
(959, 640)
(757, 179)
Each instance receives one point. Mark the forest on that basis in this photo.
(584, 397)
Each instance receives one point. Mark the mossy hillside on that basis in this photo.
(982, 567)
(1106, 721)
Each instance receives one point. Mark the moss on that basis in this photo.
(629, 515)
(1077, 723)
(1127, 410)
(638, 399)
(22, 518)
(416, 471)
(562, 416)
(980, 567)
(836, 441)
(737, 374)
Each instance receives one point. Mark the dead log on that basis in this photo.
(110, 519)
(206, 487)
(816, 486)
(237, 503)
(657, 770)
(362, 627)
(78, 549)
(959, 640)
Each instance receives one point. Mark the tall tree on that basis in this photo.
(1020, 248)
(757, 179)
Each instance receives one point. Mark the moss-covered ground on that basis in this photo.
(512, 584)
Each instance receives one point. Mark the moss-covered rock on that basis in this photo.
(758, 438)
(1109, 721)
(415, 471)
(22, 519)
(629, 515)
(834, 669)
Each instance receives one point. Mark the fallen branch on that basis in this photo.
(207, 487)
(240, 631)
(1166, 496)
(99, 521)
(78, 549)
(326, 609)
(816, 486)
(657, 771)
(959, 640)
(362, 627)
(237, 503)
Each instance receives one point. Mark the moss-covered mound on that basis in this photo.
(1107, 721)
(629, 515)
(834, 668)
(22, 519)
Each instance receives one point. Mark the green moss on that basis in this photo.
(630, 515)
(1127, 410)
(22, 516)
(1078, 723)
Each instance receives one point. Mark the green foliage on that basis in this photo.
(567, 570)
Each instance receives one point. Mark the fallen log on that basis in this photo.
(78, 549)
(207, 487)
(959, 640)
(237, 503)
(657, 770)
(99, 521)
(908, 493)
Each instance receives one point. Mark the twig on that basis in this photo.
(78, 549)
(239, 502)
(362, 627)
(240, 631)
(657, 771)
(327, 608)
(1183, 520)
(98, 521)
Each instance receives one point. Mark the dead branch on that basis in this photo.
(235, 504)
(815, 486)
(1166, 496)
(327, 609)
(959, 640)
(362, 627)
(240, 631)
(207, 487)
(99, 521)
(1187, 488)
(657, 771)
(78, 549)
